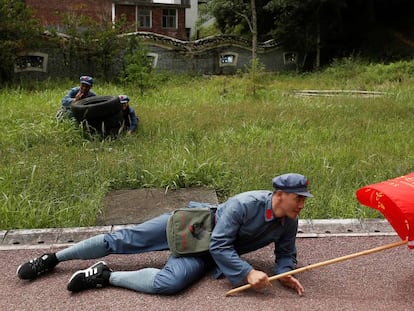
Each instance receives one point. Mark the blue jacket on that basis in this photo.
(245, 223)
(70, 96)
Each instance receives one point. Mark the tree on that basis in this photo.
(138, 67)
(94, 42)
(253, 29)
(304, 26)
(18, 33)
(235, 17)
(243, 14)
(321, 30)
(378, 30)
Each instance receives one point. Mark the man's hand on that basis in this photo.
(78, 96)
(258, 279)
(291, 282)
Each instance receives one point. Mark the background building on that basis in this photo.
(173, 18)
(165, 27)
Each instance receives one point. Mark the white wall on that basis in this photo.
(191, 16)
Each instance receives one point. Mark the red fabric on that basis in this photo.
(394, 198)
(269, 214)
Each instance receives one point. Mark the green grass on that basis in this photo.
(209, 131)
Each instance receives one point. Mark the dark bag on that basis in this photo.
(189, 229)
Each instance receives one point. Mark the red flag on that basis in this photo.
(394, 198)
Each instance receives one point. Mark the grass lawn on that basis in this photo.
(232, 134)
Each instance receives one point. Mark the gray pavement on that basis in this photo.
(380, 281)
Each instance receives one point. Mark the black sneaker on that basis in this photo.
(96, 276)
(37, 266)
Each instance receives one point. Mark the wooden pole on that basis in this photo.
(321, 264)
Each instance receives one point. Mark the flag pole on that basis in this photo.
(321, 264)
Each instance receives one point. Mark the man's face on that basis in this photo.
(84, 88)
(291, 204)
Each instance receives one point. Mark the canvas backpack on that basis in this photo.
(189, 229)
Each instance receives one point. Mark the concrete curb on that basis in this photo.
(308, 228)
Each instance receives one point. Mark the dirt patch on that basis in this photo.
(123, 207)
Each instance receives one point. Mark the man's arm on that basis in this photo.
(72, 95)
(69, 98)
(285, 248)
(285, 254)
(222, 244)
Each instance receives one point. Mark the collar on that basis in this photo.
(269, 216)
(268, 211)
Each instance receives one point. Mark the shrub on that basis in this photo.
(18, 31)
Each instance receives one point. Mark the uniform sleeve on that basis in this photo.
(134, 120)
(70, 96)
(222, 243)
(285, 248)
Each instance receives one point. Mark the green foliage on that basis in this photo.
(90, 41)
(205, 24)
(255, 75)
(320, 30)
(207, 31)
(18, 32)
(230, 16)
(100, 43)
(366, 74)
(209, 131)
(138, 67)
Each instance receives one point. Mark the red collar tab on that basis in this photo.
(269, 214)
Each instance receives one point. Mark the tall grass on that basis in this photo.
(209, 131)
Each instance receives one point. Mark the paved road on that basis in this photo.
(381, 281)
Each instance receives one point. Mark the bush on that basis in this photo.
(18, 32)
(138, 67)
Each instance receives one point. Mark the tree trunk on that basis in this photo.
(318, 45)
(254, 30)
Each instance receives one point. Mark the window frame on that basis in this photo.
(233, 63)
(146, 17)
(290, 58)
(42, 68)
(154, 57)
(167, 19)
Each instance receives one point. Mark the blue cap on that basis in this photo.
(123, 99)
(86, 80)
(292, 183)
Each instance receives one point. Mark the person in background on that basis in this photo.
(75, 94)
(130, 118)
(244, 223)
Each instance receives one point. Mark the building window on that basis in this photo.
(31, 61)
(228, 59)
(289, 58)
(169, 18)
(153, 58)
(144, 18)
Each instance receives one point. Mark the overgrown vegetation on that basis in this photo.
(86, 42)
(18, 31)
(98, 44)
(138, 68)
(210, 131)
(322, 29)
